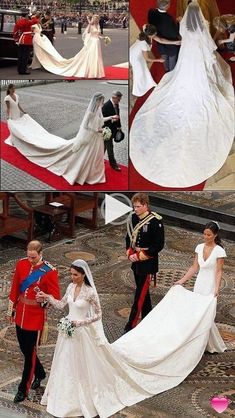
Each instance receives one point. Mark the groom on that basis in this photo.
(168, 29)
(144, 240)
(111, 108)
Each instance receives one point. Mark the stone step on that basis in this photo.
(196, 223)
(191, 209)
(192, 216)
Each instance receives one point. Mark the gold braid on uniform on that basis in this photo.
(133, 232)
(49, 265)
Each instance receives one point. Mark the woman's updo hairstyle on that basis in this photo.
(80, 270)
(147, 31)
(9, 87)
(214, 227)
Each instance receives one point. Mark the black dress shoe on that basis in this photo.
(36, 383)
(25, 73)
(115, 167)
(20, 396)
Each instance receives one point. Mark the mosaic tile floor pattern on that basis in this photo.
(105, 251)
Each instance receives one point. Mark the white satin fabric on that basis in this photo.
(184, 131)
(91, 377)
(14, 106)
(79, 160)
(142, 79)
(87, 63)
(205, 285)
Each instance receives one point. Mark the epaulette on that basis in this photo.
(159, 217)
(49, 265)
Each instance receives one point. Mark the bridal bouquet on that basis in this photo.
(66, 326)
(107, 133)
(107, 40)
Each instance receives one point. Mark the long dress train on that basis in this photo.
(82, 163)
(91, 377)
(87, 63)
(184, 131)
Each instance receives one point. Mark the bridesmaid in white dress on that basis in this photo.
(79, 160)
(139, 57)
(13, 107)
(209, 261)
(87, 63)
(90, 377)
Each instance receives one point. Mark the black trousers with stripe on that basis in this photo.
(142, 302)
(32, 366)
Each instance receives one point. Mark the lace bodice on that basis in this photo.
(85, 309)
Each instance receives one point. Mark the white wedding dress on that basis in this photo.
(142, 79)
(87, 63)
(14, 106)
(91, 377)
(205, 285)
(79, 160)
(184, 131)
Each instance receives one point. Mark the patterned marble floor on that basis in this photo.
(104, 249)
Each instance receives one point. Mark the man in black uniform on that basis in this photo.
(144, 240)
(111, 108)
(48, 27)
(168, 29)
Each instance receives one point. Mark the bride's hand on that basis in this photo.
(100, 131)
(178, 282)
(115, 117)
(216, 294)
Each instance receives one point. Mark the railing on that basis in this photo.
(25, 83)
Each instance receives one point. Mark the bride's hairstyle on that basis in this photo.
(9, 87)
(148, 30)
(80, 270)
(194, 20)
(214, 227)
(94, 103)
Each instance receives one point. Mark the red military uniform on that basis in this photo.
(29, 313)
(22, 32)
(30, 318)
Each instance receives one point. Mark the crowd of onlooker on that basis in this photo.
(71, 14)
(58, 5)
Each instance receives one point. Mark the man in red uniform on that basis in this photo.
(22, 35)
(32, 274)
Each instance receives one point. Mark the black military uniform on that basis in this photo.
(145, 238)
(48, 27)
(109, 109)
(169, 29)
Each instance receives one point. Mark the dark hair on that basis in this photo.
(9, 87)
(193, 18)
(148, 30)
(212, 225)
(80, 270)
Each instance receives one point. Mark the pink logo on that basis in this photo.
(219, 404)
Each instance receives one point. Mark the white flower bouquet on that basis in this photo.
(107, 133)
(107, 40)
(66, 327)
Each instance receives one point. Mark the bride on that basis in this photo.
(184, 131)
(79, 160)
(91, 377)
(88, 63)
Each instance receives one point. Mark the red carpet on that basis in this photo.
(114, 180)
(111, 73)
(139, 11)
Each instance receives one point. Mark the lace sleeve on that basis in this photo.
(93, 299)
(59, 304)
